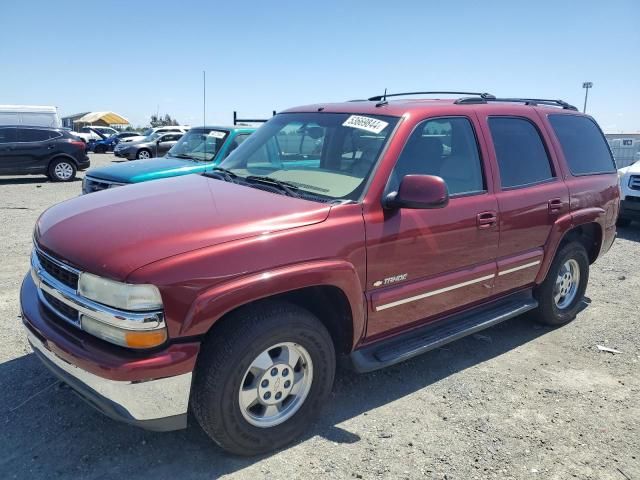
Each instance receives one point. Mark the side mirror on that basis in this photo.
(419, 191)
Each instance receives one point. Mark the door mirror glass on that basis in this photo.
(419, 191)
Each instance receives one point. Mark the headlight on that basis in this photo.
(119, 295)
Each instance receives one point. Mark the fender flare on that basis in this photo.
(214, 303)
(564, 224)
(61, 155)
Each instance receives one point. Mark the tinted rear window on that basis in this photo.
(32, 135)
(520, 152)
(583, 144)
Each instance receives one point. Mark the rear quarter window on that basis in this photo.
(583, 144)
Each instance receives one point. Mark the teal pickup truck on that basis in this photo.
(199, 150)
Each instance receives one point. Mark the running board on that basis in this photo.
(434, 335)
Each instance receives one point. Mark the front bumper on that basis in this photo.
(128, 154)
(159, 405)
(630, 208)
(150, 390)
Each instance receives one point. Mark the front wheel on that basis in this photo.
(561, 293)
(262, 377)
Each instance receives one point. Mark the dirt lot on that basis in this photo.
(518, 401)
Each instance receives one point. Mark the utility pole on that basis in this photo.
(586, 86)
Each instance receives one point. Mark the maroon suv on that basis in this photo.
(375, 230)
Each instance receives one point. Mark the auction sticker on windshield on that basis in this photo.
(217, 134)
(365, 123)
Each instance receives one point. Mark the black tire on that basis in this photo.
(548, 311)
(62, 170)
(139, 153)
(623, 222)
(100, 149)
(226, 355)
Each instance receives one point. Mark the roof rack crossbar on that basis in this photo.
(377, 98)
(526, 101)
(237, 120)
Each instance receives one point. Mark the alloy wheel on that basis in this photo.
(276, 385)
(567, 283)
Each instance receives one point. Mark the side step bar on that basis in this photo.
(434, 335)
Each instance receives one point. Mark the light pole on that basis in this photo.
(586, 86)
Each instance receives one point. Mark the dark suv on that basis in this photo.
(54, 152)
(368, 231)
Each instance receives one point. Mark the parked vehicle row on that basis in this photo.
(150, 131)
(370, 231)
(199, 150)
(95, 133)
(108, 143)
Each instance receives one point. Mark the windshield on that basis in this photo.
(200, 144)
(325, 155)
(147, 132)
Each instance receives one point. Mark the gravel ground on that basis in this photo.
(517, 401)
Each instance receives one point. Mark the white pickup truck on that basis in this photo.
(629, 194)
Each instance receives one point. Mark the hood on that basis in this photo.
(148, 169)
(634, 168)
(114, 232)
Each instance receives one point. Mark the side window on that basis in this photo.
(583, 144)
(235, 143)
(8, 135)
(522, 158)
(444, 147)
(32, 135)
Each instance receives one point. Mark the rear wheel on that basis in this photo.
(62, 170)
(262, 377)
(100, 149)
(560, 294)
(143, 154)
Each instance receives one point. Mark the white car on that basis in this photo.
(150, 131)
(629, 194)
(89, 133)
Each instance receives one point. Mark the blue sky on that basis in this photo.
(134, 57)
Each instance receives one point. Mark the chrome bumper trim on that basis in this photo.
(63, 293)
(142, 401)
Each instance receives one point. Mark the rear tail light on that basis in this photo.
(78, 143)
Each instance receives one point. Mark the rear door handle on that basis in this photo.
(486, 220)
(555, 205)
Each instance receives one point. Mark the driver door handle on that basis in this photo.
(487, 220)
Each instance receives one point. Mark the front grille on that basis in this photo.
(69, 278)
(61, 308)
(634, 182)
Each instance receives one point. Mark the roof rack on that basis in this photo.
(527, 101)
(384, 96)
(237, 120)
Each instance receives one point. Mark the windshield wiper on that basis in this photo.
(217, 172)
(182, 155)
(288, 188)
